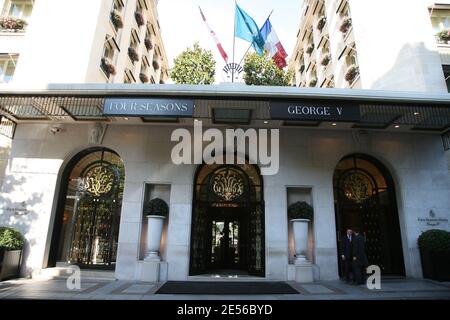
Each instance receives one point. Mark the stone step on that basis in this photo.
(65, 272)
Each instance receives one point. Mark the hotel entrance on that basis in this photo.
(227, 234)
(229, 230)
(365, 199)
(86, 228)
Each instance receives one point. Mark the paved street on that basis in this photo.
(126, 290)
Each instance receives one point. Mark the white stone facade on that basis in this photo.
(391, 42)
(65, 42)
(308, 158)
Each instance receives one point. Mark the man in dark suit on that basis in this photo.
(347, 253)
(360, 261)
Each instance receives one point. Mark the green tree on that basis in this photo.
(194, 66)
(262, 71)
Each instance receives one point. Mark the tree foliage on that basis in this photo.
(194, 66)
(262, 71)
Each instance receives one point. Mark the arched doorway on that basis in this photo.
(227, 232)
(86, 227)
(364, 194)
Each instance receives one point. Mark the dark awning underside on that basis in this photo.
(411, 110)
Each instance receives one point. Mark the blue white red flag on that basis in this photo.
(273, 45)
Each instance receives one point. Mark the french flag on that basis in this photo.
(273, 45)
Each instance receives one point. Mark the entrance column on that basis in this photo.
(179, 231)
(276, 231)
(325, 232)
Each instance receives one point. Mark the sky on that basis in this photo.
(182, 25)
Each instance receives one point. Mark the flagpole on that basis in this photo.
(252, 43)
(234, 41)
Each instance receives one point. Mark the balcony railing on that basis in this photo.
(12, 24)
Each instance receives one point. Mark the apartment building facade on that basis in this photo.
(95, 41)
(383, 45)
(440, 20)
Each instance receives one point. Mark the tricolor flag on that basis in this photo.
(216, 40)
(273, 45)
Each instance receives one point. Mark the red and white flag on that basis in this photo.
(216, 40)
(273, 45)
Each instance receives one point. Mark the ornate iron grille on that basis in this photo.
(96, 216)
(228, 188)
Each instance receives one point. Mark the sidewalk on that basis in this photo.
(56, 289)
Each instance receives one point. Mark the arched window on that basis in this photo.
(88, 214)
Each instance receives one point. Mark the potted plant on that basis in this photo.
(443, 36)
(351, 73)
(434, 246)
(302, 68)
(139, 18)
(346, 24)
(132, 53)
(312, 82)
(321, 23)
(116, 18)
(11, 245)
(156, 212)
(12, 23)
(143, 77)
(325, 59)
(155, 65)
(300, 214)
(148, 44)
(108, 67)
(310, 49)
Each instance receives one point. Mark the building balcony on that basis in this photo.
(10, 24)
(12, 43)
(139, 17)
(320, 33)
(356, 84)
(116, 19)
(312, 82)
(346, 28)
(443, 37)
(310, 54)
(130, 65)
(352, 76)
(301, 77)
(444, 53)
(325, 72)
